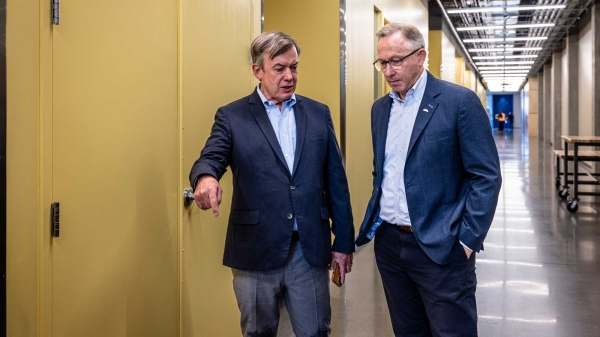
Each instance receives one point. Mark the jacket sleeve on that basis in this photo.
(338, 195)
(215, 155)
(480, 160)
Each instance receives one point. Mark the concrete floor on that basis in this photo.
(538, 275)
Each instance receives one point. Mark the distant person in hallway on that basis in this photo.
(501, 117)
(436, 181)
(288, 181)
(511, 119)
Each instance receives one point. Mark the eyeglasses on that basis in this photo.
(394, 62)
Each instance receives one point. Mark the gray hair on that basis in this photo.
(410, 33)
(271, 44)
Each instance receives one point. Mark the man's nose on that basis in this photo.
(388, 71)
(287, 74)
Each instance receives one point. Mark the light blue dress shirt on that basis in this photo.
(394, 207)
(284, 124)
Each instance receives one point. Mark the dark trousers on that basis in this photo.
(425, 298)
(501, 126)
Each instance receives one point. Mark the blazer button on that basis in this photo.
(293, 187)
(290, 216)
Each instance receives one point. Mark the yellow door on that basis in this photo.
(116, 169)
(216, 71)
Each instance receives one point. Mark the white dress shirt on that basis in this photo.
(394, 208)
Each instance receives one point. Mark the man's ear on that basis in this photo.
(257, 71)
(423, 54)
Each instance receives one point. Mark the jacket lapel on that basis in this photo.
(300, 116)
(383, 118)
(258, 110)
(426, 109)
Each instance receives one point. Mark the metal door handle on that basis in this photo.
(188, 197)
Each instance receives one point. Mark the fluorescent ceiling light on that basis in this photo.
(500, 49)
(504, 72)
(501, 9)
(531, 25)
(484, 40)
(500, 75)
(496, 39)
(503, 57)
(462, 29)
(502, 63)
(532, 8)
(512, 76)
(523, 48)
(527, 38)
(475, 50)
(503, 68)
(514, 81)
(475, 10)
(505, 86)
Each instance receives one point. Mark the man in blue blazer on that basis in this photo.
(288, 181)
(436, 181)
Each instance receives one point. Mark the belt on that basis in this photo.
(402, 228)
(295, 236)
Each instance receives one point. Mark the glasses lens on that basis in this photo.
(377, 65)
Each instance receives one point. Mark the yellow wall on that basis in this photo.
(531, 89)
(205, 79)
(23, 168)
(468, 78)
(435, 52)
(481, 93)
(314, 24)
(459, 69)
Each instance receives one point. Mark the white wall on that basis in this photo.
(489, 105)
(447, 69)
(586, 119)
(524, 105)
(552, 91)
(517, 112)
(565, 93)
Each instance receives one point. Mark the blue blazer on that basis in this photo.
(266, 197)
(452, 172)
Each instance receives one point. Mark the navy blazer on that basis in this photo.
(452, 172)
(266, 197)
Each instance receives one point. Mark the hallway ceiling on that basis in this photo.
(508, 40)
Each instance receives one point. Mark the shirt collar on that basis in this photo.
(417, 90)
(266, 102)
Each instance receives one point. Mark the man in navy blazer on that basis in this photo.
(288, 181)
(436, 181)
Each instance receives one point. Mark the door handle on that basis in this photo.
(188, 197)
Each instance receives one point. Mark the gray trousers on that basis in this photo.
(304, 288)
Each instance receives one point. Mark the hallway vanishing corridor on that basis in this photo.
(537, 275)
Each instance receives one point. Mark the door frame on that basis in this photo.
(3, 161)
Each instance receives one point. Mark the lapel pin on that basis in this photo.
(425, 110)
